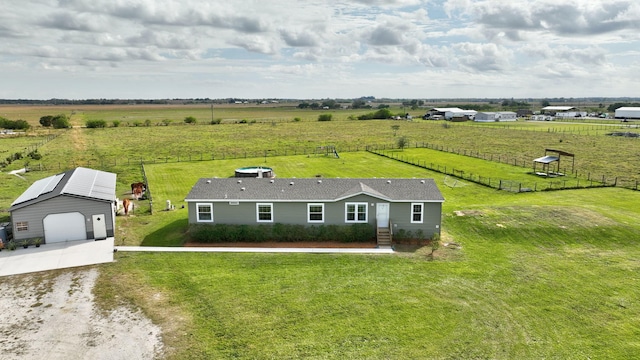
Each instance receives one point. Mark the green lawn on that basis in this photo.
(546, 275)
(537, 275)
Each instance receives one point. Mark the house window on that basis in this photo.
(356, 212)
(265, 212)
(204, 212)
(416, 212)
(315, 213)
(22, 226)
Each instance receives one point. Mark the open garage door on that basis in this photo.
(64, 227)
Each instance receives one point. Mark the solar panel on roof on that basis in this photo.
(38, 188)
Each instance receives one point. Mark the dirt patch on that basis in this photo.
(302, 244)
(54, 317)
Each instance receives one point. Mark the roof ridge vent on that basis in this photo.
(243, 188)
(388, 181)
(239, 181)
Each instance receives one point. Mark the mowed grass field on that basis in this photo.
(535, 275)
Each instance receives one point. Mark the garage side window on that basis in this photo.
(204, 212)
(22, 226)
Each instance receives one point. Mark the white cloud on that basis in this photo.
(250, 44)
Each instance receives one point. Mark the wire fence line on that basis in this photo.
(573, 180)
(503, 184)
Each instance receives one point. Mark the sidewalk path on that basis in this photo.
(256, 250)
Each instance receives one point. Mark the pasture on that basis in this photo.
(537, 275)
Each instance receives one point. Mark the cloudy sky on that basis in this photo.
(80, 49)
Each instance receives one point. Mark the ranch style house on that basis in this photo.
(388, 205)
(74, 205)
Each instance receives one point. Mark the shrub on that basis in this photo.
(216, 121)
(60, 121)
(219, 233)
(190, 120)
(380, 114)
(116, 123)
(296, 119)
(325, 117)
(92, 124)
(46, 120)
(35, 155)
(14, 124)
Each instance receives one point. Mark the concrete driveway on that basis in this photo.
(55, 256)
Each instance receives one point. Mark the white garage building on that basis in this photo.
(628, 113)
(77, 204)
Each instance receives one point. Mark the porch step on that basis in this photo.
(383, 236)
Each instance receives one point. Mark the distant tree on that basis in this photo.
(147, 122)
(166, 122)
(94, 124)
(325, 117)
(303, 105)
(395, 129)
(545, 103)
(380, 114)
(46, 120)
(613, 107)
(190, 120)
(383, 106)
(314, 106)
(402, 142)
(331, 104)
(60, 121)
(358, 104)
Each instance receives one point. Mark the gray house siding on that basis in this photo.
(296, 213)
(400, 217)
(35, 213)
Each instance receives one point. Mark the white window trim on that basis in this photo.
(421, 213)
(22, 226)
(366, 212)
(258, 212)
(210, 205)
(309, 213)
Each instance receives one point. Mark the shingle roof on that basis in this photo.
(326, 190)
(79, 182)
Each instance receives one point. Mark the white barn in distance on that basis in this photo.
(628, 113)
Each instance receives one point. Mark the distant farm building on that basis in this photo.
(450, 113)
(628, 113)
(563, 111)
(495, 116)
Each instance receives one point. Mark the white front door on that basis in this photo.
(99, 227)
(382, 215)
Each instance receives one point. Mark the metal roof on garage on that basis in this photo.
(80, 182)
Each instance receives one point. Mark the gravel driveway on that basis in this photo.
(54, 317)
